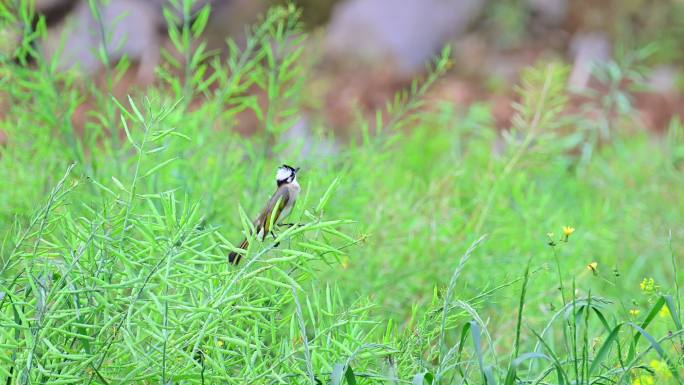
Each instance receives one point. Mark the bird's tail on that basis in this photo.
(235, 257)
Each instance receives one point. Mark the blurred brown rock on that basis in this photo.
(229, 18)
(551, 12)
(663, 101)
(400, 34)
(42, 5)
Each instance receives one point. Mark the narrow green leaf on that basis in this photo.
(118, 183)
(674, 313)
(201, 20)
(476, 334)
(157, 167)
(644, 324)
(128, 133)
(604, 349)
(137, 113)
(659, 349)
(122, 108)
(326, 196)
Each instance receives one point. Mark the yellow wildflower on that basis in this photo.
(648, 285)
(643, 379)
(662, 371)
(567, 231)
(664, 312)
(634, 312)
(593, 267)
(220, 343)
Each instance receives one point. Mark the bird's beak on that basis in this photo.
(297, 169)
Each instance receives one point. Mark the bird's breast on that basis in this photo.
(294, 188)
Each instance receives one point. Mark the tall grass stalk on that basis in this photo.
(116, 270)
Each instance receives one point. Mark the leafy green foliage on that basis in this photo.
(114, 241)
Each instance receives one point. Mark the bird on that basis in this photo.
(278, 207)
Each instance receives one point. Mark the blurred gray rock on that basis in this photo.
(587, 50)
(551, 12)
(403, 34)
(134, 28)
(65, 6)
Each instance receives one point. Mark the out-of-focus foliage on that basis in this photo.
(113, 241)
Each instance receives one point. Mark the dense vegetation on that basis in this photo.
(432, 248)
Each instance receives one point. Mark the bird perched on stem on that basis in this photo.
(278, 207)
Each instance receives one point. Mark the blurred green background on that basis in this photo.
(420, 126)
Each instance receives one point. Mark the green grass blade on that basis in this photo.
(660, 350)
(516, 363)
(603, 351)
(451, 288)
(674, 312)
(644, 324)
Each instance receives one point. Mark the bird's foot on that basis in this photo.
(274, 237)
(290, 224)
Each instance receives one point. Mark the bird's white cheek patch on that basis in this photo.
(282, 174)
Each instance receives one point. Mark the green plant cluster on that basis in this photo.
(431, 248)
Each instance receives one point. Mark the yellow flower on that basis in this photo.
(664, 312)
(634, 312)
(648, 285)
(662, 371)
(567, 231)
(643, 379)
(593, 266)
(220, 343)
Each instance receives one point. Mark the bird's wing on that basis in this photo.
(279, 199)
